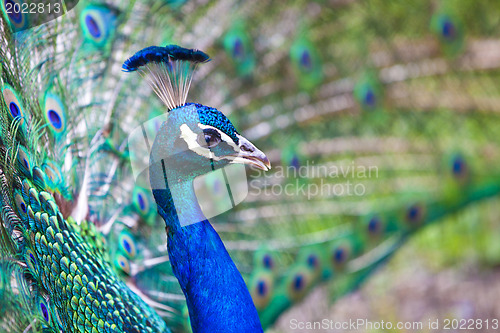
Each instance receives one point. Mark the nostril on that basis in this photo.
(247, 148)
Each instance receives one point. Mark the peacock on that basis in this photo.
(126, 204)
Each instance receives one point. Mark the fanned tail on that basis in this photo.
(404, 118)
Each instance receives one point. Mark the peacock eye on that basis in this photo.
(209, 139)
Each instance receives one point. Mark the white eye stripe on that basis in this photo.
(191, 140)
(224, 137)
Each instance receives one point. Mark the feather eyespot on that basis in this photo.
(268, 261)
(140, 201)
(262, 288)
(415, 213)
(13, 14)
(55, 119)
(459, 166)
(306, 60)
(340, 255)
(448, 30)
(367, 95)
(14, 109)
(238, 48)
(312, 261)
(127, 244)
(55, 114)
(98, 23)
(295, 162)
(370, 99)
(374, 225)
(306, 63)
(18, 19)
(298, 282)
(12, 101)
(92, 26)
(44, 309)
(122, 264)
(22, 208)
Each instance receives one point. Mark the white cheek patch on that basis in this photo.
(191, 140)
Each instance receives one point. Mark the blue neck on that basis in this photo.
(217, 297)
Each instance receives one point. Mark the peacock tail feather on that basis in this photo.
(379, 119)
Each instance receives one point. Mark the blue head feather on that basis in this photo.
(163, 54)
(213, 117)
(170, 70)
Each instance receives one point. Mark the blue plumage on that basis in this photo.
(212, 116)
(163, 54)
(216, 294)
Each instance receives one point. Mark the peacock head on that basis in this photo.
(194, 139)
(197, 139)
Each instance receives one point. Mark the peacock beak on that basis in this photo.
(249, 154)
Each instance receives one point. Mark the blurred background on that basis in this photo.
(381, 121)
(408, 88)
